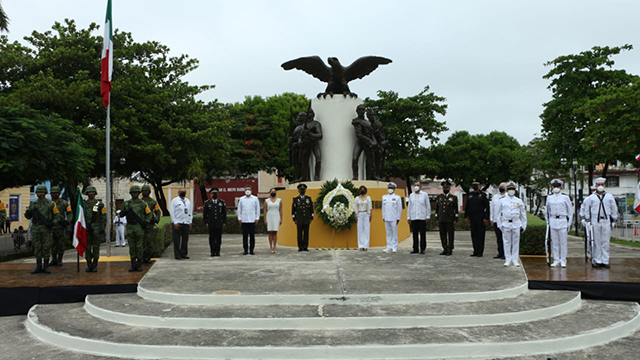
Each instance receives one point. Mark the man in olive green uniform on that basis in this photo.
(138, 217)
(44, 214)
(95, 215)
(59, 231)
(302, 213)
(447, 217)
(150, 231)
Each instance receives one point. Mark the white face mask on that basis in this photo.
(390, 191)
(600, 188)
(247, 192)
(511, 192)
(556, 190)
(416, 188)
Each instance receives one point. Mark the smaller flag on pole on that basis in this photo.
(107, 57)
(80, 228)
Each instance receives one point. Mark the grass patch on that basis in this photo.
(625, 242)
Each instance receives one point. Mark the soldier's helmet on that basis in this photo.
(134, 189)
(55, 189)
(90, 188)
(146, 187)
(41, 188)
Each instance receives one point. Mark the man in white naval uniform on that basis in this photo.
(601, 211)
(121, 223)
(512, 220)
(391, 212)
(583, 206)
(559, 214)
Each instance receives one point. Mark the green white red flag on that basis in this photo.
(80, 227)
(636, 203)
(107, 57)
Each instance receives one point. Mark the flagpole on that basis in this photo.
(108, 171)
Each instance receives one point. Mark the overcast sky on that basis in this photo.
(485, 57)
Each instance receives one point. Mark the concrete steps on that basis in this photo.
(133, 310)
(71, 327)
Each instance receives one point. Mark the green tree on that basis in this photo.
(614, 117)
(576, 79)
(409, 122)
(36, 148)
(4, 20)
(490, 159)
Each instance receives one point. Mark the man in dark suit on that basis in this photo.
(477, 212)
(447, 216)
(302, 213)
(215, 216)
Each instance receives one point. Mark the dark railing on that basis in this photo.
(15, 244)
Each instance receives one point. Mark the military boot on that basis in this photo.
(94, 268)
(54, 261)
(138, 265)
(60, 259)
(38, 268)
(89, 266)
(133, 265)
(45, 266)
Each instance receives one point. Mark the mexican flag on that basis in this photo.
(80, 227)
(107, 57)
(636, 203)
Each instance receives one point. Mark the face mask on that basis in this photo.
(40, 196)
(416, 188)
(55, 195)
(301, 192)
(145, 193)
(273, 194)
(474, 187)
(91, 196)
(134, 195)
(446, 191)
(511, 192)
(600, 188)
(390, 191)
(182, 193)
(247, 192)
(502, 190)
(556, 190)
(362, 192)
(215, 195)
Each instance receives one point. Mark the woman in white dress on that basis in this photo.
(363, 218)
(273, 218)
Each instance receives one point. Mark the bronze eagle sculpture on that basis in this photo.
(335, 75)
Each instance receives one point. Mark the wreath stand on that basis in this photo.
(346, 239)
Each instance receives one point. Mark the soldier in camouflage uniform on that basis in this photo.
(59, 231)
(138, 217)
(95, 216)
(150, 231)
(44, 214)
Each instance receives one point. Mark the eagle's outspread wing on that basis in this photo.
(363, 67)
(312, 65)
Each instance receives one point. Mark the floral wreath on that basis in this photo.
(336, 204)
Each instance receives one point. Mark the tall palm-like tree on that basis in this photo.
(4, 20)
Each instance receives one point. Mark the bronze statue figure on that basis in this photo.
(366, 142)
(295, 142)
(335, 75)
(381, 138)
(305, 141)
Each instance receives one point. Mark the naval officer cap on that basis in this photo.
(302, 187)
(391, 184)
(214, 189)
(511, 185)
(557, 182)
(475, 182)
(446, 183)
(601, 180)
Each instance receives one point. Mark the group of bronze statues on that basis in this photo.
(307, 134)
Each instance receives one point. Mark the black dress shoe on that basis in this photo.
(178, 258)
(497, 257)
(444, 253)
(299, 250)
(252, 253)
(213, 254)
(245, 253)
(414, 252)
(473, 255)
(606, 266)
(449, 253)
(595, 265)
(185, 257)
(480, 255)
(305, 249)
(422, 252)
